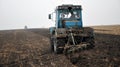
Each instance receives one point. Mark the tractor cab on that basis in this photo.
(68, 16)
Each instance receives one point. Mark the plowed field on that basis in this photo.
(31, 48)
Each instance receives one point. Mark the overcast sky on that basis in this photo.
(15, 14)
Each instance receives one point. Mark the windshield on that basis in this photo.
(70, 15)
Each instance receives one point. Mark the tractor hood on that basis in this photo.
(72, 24)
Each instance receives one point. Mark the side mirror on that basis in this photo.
(49, 16)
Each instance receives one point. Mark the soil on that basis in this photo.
(31, 48)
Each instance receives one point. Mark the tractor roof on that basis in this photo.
(69, 6)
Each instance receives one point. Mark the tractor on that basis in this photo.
(69, 35)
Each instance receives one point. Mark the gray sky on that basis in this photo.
(15, 14)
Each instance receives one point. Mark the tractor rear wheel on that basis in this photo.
(89, 39)
(57, 45)
(51, 44)
(91, 42)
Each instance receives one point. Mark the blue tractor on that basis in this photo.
(69, 35)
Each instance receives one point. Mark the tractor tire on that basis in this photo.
(91, 42)
(51, 45)
(58, 50)
(91, 46)
(90, 39)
